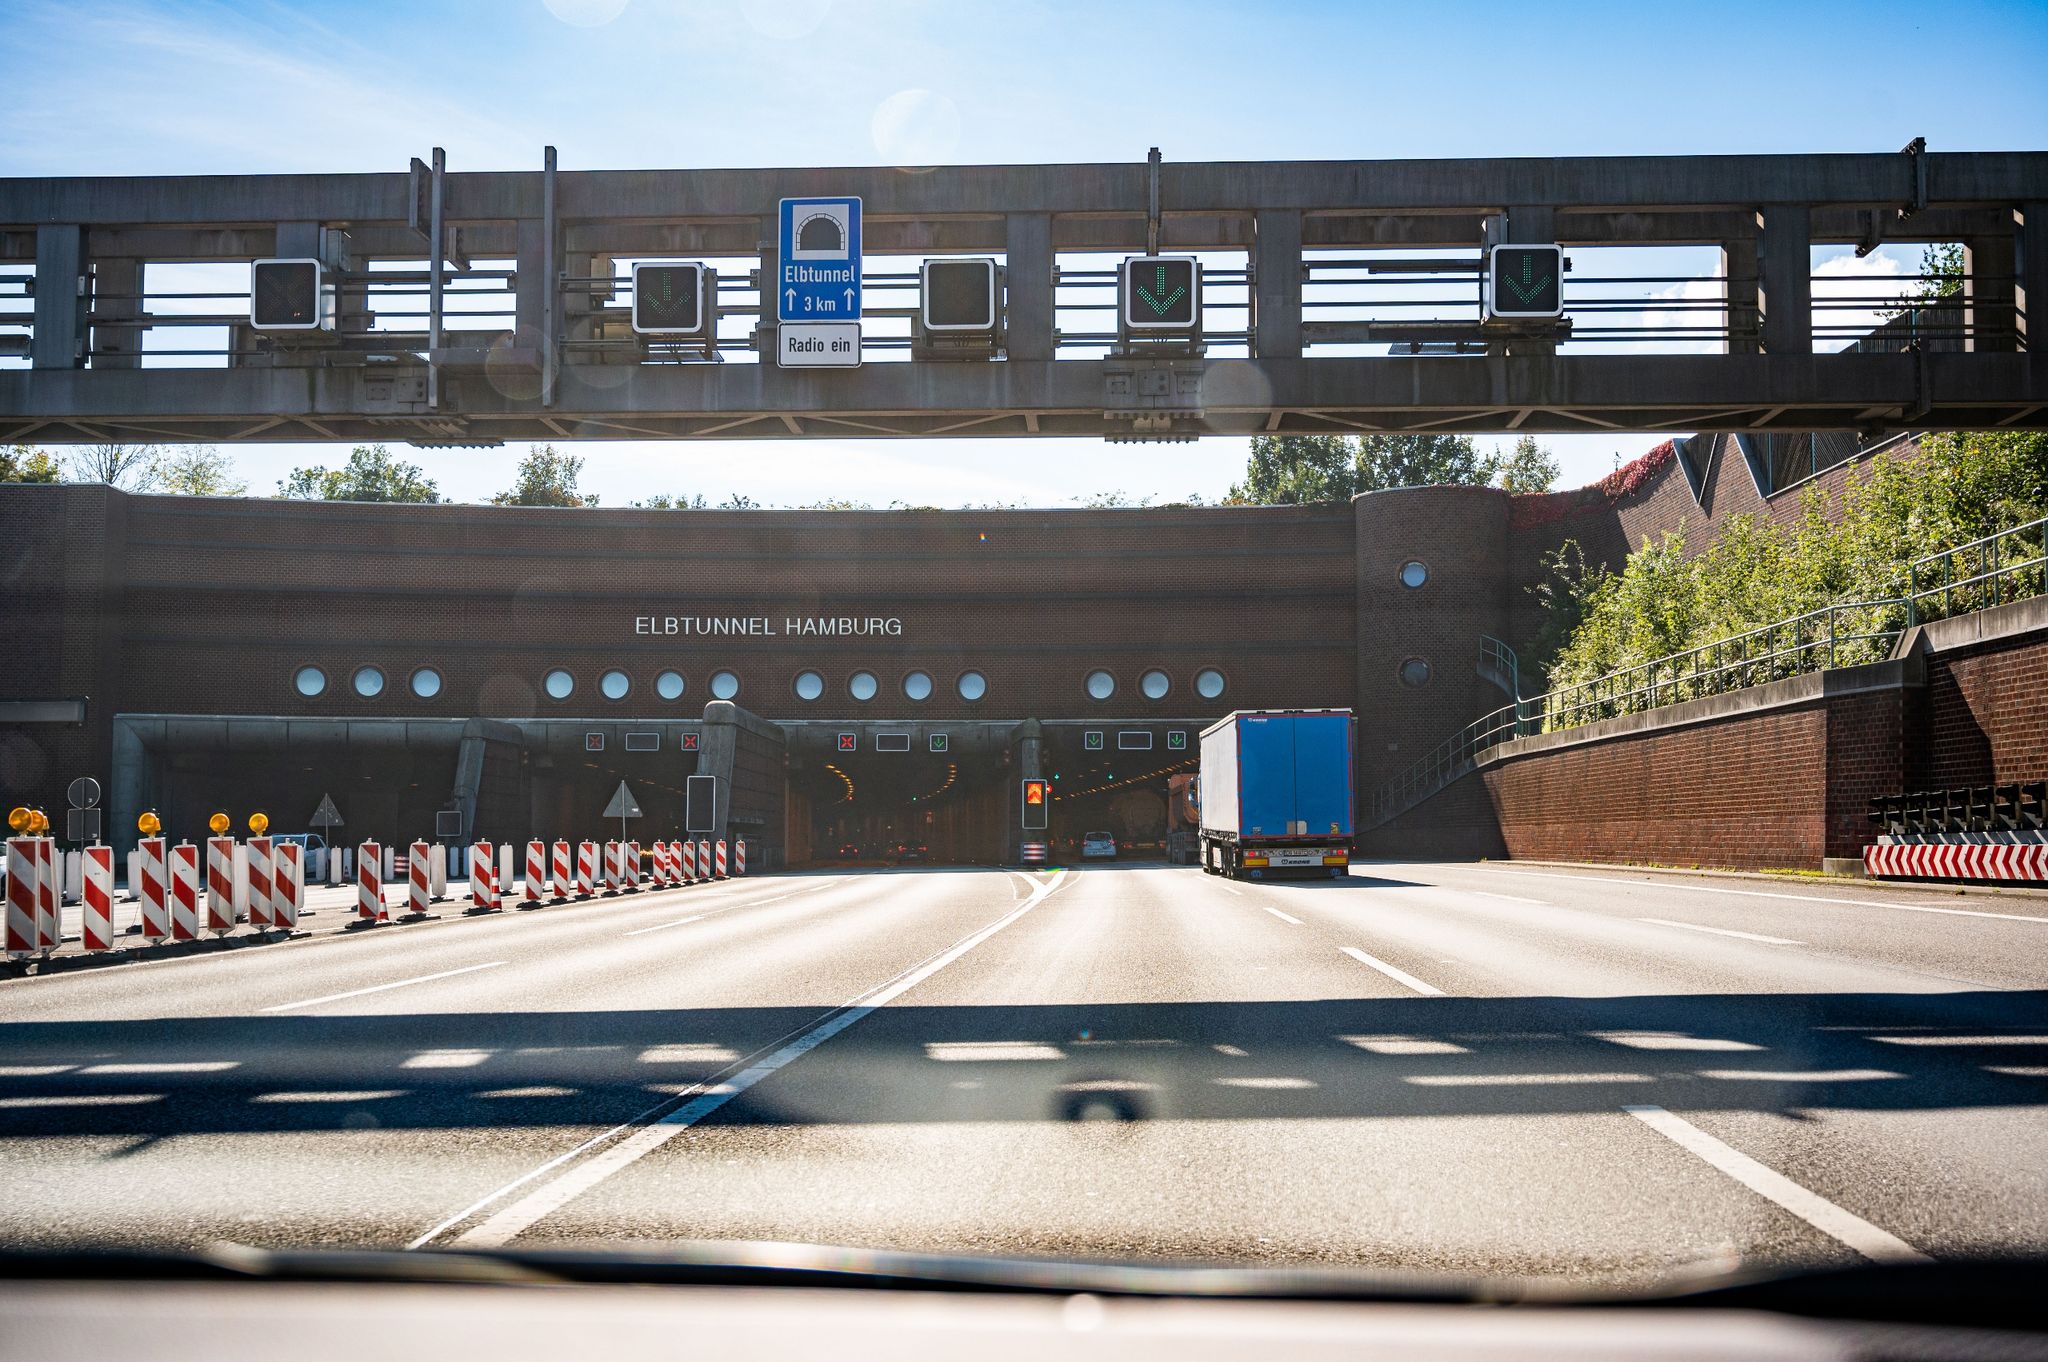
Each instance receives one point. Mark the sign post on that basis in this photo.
(327, 818)
(817, 289)
(622, 807)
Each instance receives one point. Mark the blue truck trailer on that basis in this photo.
(1277, 793)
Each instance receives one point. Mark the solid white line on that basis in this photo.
(514, 1219)
(1878, 1245)
(1760, 893)
(662, 927)
(1399, 976)
(1723, 931)
(197, 1066)
(379, 988)
(1282, 916)
(110, 1099)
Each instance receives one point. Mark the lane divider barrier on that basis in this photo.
(703, 859)
(586, 870)
(261, 860)
(152, 882)
(565, 868)
(370, 884)
(483, 878)
(96, 894)
(632, 867)
(614, 869)
(536, 873)
(739, 856)
(689, 861)
(718, 859)
(418, 879)
(21, 897)
(184, 892)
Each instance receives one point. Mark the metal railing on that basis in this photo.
(2009, 565)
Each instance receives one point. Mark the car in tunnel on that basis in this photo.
(1098, 845)
(905, 852)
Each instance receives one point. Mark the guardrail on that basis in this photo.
(2009, 565)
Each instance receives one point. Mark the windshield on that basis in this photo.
(1269, 634)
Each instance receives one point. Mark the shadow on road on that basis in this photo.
(1276, 1061)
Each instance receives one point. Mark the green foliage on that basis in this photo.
(1111, 501)
(1529, 467)
(26, 463)
(662, 501)
(1902, 505)
(371, 474)
(1941, 269)
(198, 471)
(547, 477)
(1295, 470)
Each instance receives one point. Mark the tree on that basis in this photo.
(1292, 470)
(199, 471)
(132, 468)
(1111, 501)
(662, 501)
(371, 474)
(26, 463)
(547, 477)
(1530, 468)
(740, 501)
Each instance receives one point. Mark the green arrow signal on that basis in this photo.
(1526, 290)
(1152, 297)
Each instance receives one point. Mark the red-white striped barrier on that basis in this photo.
(153, 885)
(690, 861)
(586, 870)
(370, 883)
(49, 924)
(96, 894)
(21, 898)
(2012, 861)
(703, 859)
(658, 867)
(1033, 853)
(631, 867)
(418, 878)
(483, 878)
(185, 892)
(221, 905)
(536, 873)
(614, 867)
(565, 871)
(262, 890)
(718, 859)
(739, 856)
(287, 886)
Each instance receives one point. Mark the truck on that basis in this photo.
(1276, 793)
(1183, 819)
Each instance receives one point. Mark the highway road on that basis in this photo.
(1459, 1068)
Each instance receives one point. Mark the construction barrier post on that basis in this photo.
(586, 869)
(703, 860)
(287, 886)
(419, 880)
(185, 892)
(689, 861)
(152, 887)
(73, 877)
(370, 883)
(262, 875)
(739, 856)
(536, 873)
(614, 874)
(220, 884)
(49, 920)
(632, 867)
(659, 868)
(437, 871)
(21, 898)
(96, 894)
(718, 859)
(565, 871)
(483, 877)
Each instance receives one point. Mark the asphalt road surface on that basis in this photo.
(1466, 1068)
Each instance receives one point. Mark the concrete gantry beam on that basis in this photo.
(1785, 278)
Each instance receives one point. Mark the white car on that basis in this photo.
(1095, 844)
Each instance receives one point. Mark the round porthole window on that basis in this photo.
(558, 684)
(1414, 672)
(1209, 683)
(917, 686)
(1101, 685)
(971, 685)
(862, 686)
(369, 682)
(724, 685)
(309, 681)
(614, 685)
(426, 683)
(1413, 574)
(1155, 685)
(809, 685)
(669, 685)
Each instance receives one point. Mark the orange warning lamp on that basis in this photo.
(219, 823)
(149, 825)
(19, 818)
(41, 823)
(259, 823)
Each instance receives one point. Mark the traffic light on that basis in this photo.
(289, 295)
(1525, 281)
(958, 295)
(1161, 293)
(668, 298)
(1037, 805)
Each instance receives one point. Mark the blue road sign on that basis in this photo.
(819, 259)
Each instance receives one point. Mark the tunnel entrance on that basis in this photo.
(1118, 779)
(881, 793)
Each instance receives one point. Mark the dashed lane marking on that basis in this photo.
(1723, 931)
(1398, 975)
(379, 988)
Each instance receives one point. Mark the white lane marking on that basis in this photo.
(1399, 976)
(1510, 898)
(1517, 1080)
(1282, 916)
(379, 988)
(1278, 1084)
(1878, 1245)
(1724, 931)
(559, 1191)
(664, 926)
(1669, 1040)
(34, 1070)
(446, 1059)
(694, 1052)
(544, 1090)
(1230, 890)
(1959, 1040)
(1759, 893)
(953, 1051)
(197, 1066)
(1799, 1075)
(1404, 1045)
(341, 1095)
(104, 1099)
(2017, 1070)
(1232, 1051)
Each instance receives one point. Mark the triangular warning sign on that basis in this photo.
(623, 804)
(326, 816)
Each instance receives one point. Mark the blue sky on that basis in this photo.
(127, 87)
